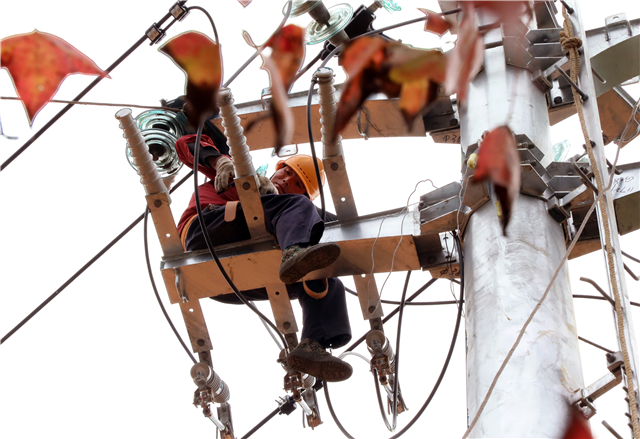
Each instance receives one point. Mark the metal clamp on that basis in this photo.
(181, 292)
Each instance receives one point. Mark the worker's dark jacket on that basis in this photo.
(292, 218)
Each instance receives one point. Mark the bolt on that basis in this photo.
(286, 325)
(422, 221)
(334, 166)
(372, 309)
(431, 260)
(453, 122)
(246, 186)
(421, 204)
(610, 357)
(557, 100)
(157, 203)
(201, 342)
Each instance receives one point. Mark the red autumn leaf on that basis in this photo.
(38, 62)
(577, 428)
(467, 56)
(499, 162)
(375, 65)
(435, 23)
(287, 52)
(244, 3)
(287, 55)
(199, 57)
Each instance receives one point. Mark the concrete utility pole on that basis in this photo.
(506, 276)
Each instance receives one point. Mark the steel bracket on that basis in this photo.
(584, 398)
(224, 415)
(310, 398)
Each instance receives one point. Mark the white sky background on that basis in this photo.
(100, 360)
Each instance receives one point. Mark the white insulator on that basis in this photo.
(235, 135)
(328, 109)
(147, 170)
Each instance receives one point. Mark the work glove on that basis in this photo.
(266, 187)
(224, 171)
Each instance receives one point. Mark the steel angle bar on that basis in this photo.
(592, 121)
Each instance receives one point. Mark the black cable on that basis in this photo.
(155, 288)
(261, 423)
(83, 269)
(392, 302)
(383, 29)
(314, 81)
(392, 313)
(207, 239)
(444, 367)
(213, 26)
(67, 107)
(397, 355)
(306, 68)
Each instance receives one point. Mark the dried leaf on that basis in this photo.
(287, 52)
(282, 65)
(375, 65)
(415, 97)
(410, 64)
(199, 57)
(577, 427)
(38, 62)
(467, 56)
(244, 3)
(499, 162)
(435, 23)
(279, 108)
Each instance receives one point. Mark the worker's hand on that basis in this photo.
(224, 171)
(266, 187)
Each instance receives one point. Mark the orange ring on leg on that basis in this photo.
(312, 293)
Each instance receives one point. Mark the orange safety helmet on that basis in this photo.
(303, 166)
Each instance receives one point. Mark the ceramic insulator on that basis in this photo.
(235, 135)
(147, 170)
(328, 109)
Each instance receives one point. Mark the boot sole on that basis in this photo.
(331, 369)
(313, 258)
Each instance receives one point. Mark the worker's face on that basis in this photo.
(288, 182)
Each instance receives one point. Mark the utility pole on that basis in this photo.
(505, 276)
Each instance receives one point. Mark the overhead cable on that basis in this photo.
(84, 267)
(55, 118)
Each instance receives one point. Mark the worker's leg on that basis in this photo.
(325, 320)
(292, 218)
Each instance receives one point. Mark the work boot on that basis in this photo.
(297, 261)
(309, 357)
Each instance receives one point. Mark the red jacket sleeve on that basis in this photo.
(184, 154)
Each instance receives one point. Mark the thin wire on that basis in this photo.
(155, 288)
(102, 104)
(390, 427)
(356, 343)
(307, 67)
(209, 243)
(393, 257)
(544, 296)
(313, 151)
(213, 25)
(396, 382)
(260, 49)
(84, 268)
(55, 118)
(273, 336)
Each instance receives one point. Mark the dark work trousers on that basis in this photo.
(294, 220)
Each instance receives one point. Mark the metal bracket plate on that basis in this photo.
(281, 307)
(341, 193)
(251, 205)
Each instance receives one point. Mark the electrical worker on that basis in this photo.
(292, 217)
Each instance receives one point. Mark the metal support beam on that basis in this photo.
(592, 120)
